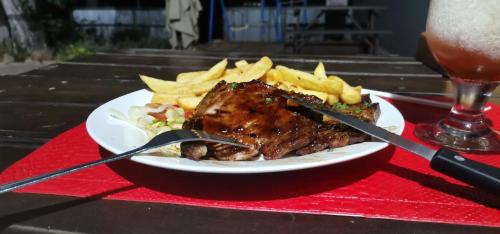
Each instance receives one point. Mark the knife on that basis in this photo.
(443, 160)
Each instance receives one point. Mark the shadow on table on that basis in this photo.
(271, 186)
(252, 187)
(19, 217)
(257, 186)
(421, 114)
(439, 184)
(247, 187)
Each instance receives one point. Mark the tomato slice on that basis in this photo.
(159, 115)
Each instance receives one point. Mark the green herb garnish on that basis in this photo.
(234, 85)
(268, 100)
(357, 110)
(366, 104)
(340, 106)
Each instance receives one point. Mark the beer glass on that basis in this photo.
(464, 38)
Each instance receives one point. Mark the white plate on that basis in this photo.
(118, 137)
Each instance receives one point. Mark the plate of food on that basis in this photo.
(244, 103)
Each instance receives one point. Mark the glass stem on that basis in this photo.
(466, 117)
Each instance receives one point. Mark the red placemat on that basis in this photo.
(389, 184)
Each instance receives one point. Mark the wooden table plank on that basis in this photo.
(54, 89)
(233, 49)
(266, 48)
(71, 70)
(80, 77)
(23, 213)
(37, 122)
(215, 55)
(12, 153)
(199, 63)
(89, 71)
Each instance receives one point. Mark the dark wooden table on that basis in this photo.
(40, 104)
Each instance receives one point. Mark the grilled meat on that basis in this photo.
(331, 138)
(254, 114)
(333, 134)
(365, 110)
(257, 115)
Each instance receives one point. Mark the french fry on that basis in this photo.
(288, 86)
(231, 78)
(291, 85)
(174, 88)
(213, 73)
(187, 77)
(332, 99)
(320, 71)
(321, 95)
(349, 95)
(190, 87)
(164, 98)
(159, 86)
(257, 70)
(242, 65)
(272, 77)
(231, 71)
(189, 103)
(309, 81)
(201, 88)
(283, 87)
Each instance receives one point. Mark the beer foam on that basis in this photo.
(470, 24)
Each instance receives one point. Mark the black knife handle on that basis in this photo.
(469, 171)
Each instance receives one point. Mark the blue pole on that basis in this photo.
(226, 22)
(211, 21)
(262, 18)
(279, 37)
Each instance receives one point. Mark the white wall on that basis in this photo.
(108, 21)
(245, 22)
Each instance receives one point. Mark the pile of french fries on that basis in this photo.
(190, 87)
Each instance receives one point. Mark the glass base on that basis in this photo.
(443, 135)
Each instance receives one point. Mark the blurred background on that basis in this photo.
(62, 29)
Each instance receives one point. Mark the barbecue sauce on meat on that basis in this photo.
(257, 115)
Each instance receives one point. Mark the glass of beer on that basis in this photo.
(464, 38)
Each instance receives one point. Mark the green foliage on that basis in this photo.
(90, 45)
(67, 40)
(75, 49)
(54, 18)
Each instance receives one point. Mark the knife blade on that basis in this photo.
(446, 161)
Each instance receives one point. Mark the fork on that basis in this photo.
(163, 139)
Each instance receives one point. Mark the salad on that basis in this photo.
(156, 118)
(153, 119)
